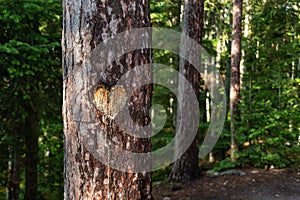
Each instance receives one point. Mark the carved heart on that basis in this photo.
(110, 102)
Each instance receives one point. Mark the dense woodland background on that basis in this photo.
(267, 132)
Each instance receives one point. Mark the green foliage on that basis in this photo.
(165, 13)
(162, 174)
(30, 59)
(270, 97)
(51, 159)
(225, 164)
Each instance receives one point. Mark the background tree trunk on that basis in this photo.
(86, 25)
(235, 71)
(14, 169)
(186, 167)
(31, 163)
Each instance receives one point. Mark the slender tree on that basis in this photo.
(14, 170)
(86, 25)
(235, 70)
(186, 167)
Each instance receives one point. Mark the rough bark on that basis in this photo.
(186, 167)
(86, 25)
(235, 70)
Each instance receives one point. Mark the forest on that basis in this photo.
(253, 45)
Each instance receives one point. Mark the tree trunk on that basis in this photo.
(86, 25)
(235, 71)
(186, 167)
(14, 170)
(31, 163)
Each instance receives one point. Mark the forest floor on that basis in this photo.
(245, 184)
